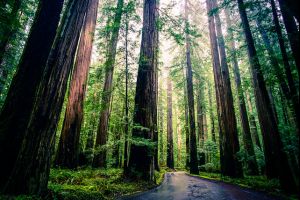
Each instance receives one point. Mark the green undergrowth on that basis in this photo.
(91, 184)
(259, 183)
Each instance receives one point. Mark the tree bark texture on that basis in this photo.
(31, 170)
(21, 95)
(190, 96)
(68, 148)
(141, 161)
(229, 144)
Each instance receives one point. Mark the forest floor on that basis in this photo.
(97, 184)
(90, 184)
(181, 186)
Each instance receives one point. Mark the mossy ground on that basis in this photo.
(258, 183)
(91, 184)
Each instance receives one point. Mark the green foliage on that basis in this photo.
(92, 184)
(259, 183)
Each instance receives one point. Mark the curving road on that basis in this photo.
(180, 186)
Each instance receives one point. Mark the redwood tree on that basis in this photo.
(190, 99)
(31, 169)
(170, 153)
(18, 105)
(275, 157)
(251, 159)
(68, 148)
(229, 144)
(141, 161)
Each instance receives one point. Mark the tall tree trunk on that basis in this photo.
(292, 31)
(170, 153)
(200, 124)
(161, 122)
(253, 126)
(68, 148)
(200, 118)
(156, 51)
(31, 170)
(141, 161)
(126, 128)
(186, 127)
(287, 67)
(251, 160)
(229, 144)
(288, 92)
(100, 157)
(15, 113)
(91, 136)
(276, 159)
(190, 96)
(178, 141)
(211, 115)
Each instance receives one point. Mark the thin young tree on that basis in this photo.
(170, 149)
(253, 126)
(251, 160)
(102, 131)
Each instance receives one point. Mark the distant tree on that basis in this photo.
(101, 139)
(251, 160)
(170, 149)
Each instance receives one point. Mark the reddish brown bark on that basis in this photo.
(141, 161)
(190, 97)
(15, 113)
(68, 148)
(229, 144)
(31, 170)
(170, 153)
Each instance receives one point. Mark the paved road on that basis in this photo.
(180, 186)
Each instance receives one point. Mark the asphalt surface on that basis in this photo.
(180, 186)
